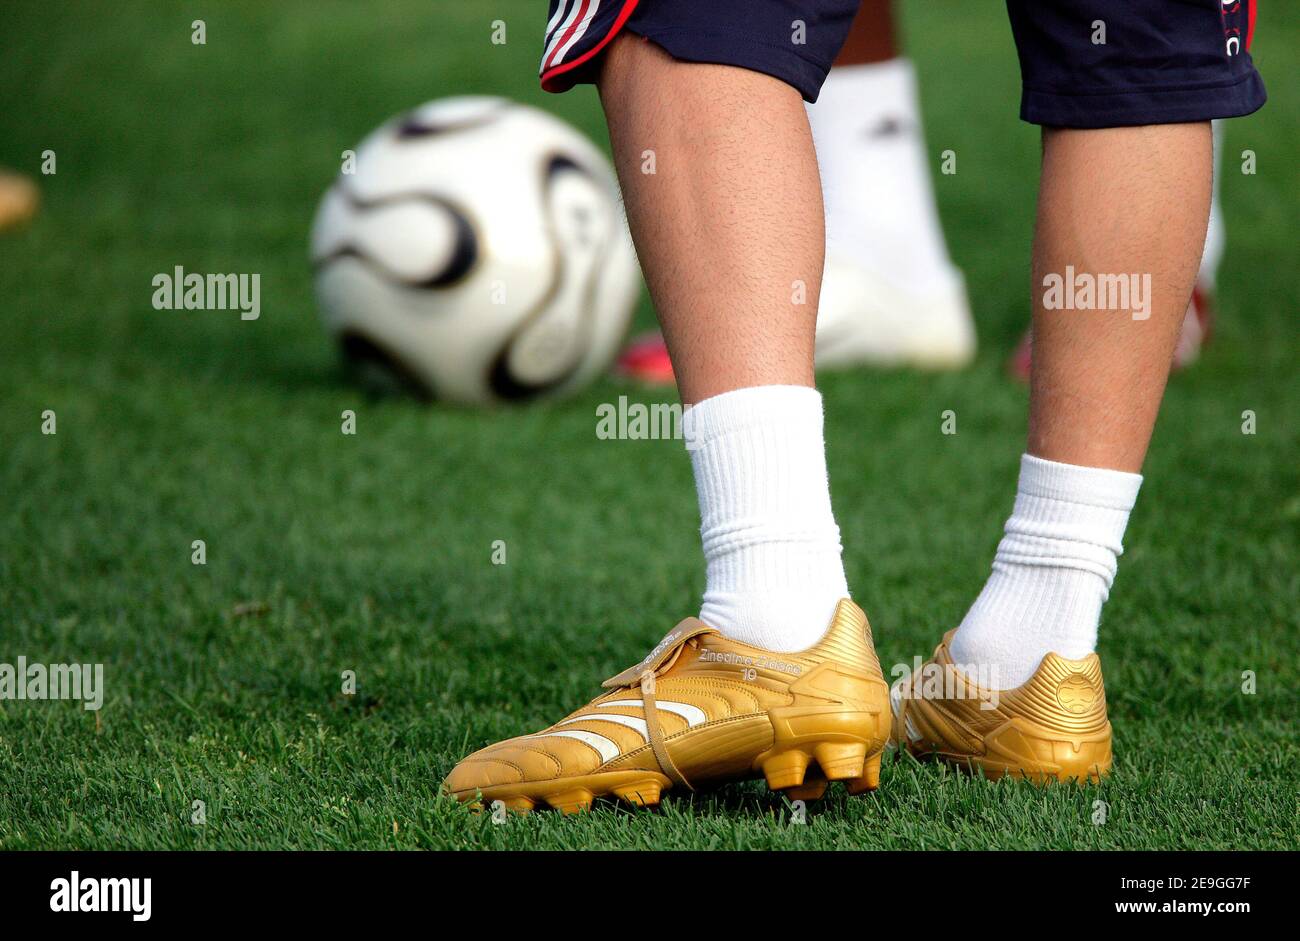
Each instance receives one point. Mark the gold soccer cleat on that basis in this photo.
(702, 710)
(1051, 728)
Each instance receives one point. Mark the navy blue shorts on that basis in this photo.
(793, 40)
(1083, 63)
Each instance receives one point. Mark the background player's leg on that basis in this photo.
(1216, 239)
(892, 294)
(723, 199)
(880, 208)
(1114, 201)
(874, 36)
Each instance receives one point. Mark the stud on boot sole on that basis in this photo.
(642, 794)
(785, 770)
(813, 787)
(571, 802)
(841, 762)
(870, 779)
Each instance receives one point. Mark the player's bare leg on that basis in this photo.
(19, 199)
(890, 295)
(1122, 200)
(1198, 319)
(874, 36)
(1127, 203)
(777, 676)
(720, 180)
(1121, 203)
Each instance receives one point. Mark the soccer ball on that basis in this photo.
(477, 252)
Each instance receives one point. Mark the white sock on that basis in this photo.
(1052, 572)
(1216, 236)
(771, 546)
(880, 209)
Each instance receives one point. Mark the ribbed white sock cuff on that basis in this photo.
(760, 461)
(1067, 516)
(771, 546)
(1052, 572)
(740, 409)
(1094, 486)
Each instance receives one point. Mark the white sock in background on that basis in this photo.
(771, 546)
(880, 209)
(1216, 236)
(1052, 572)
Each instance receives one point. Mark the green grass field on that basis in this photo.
(371, 553)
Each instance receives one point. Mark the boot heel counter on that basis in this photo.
(873, 662)
(849, 640)
(1081, 695)
(1060, 729)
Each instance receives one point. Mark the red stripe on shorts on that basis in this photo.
(568, 33)
(549, 76)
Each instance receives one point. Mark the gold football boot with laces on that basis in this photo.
(701, 710)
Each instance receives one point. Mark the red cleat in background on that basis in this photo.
(646, 361)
